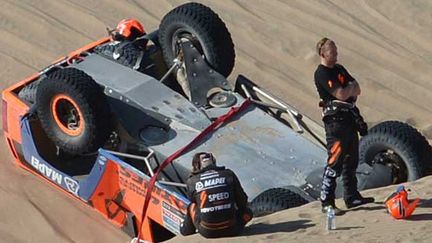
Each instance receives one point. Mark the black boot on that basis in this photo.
(357, 200)
(325, 207)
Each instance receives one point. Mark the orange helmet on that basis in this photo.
(398, 204)
(129, 29)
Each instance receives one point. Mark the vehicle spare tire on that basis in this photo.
(275, 199)
(203, 27)
(398, 146)
(28, 93)
(73, 111)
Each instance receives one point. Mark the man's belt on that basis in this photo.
(335, 106)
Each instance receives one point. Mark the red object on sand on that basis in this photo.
(398, 204)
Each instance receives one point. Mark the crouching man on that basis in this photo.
(218, 205)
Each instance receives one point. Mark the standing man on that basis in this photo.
(218, 205)
(338, 91)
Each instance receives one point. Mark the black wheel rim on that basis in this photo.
(184, 34)
(391, 159)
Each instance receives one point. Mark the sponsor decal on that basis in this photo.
(50, 173)
(47, 171)
(171, 217)
(209, 183)
(71, 185)
(133, 183)
(114, 210)
(214, 182)
(199, 186)
(216, 208)
(102, 160)
(218, 196)
(330, 172)
(208, 175)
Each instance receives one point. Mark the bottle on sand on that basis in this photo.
(331, 219)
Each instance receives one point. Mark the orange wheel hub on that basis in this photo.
(67, 115)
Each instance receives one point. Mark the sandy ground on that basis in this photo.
(386, 45)
(369, 223)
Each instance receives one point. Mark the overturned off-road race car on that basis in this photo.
(117, 122)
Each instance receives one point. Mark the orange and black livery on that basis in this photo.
(103, 181)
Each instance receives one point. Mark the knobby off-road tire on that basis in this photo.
(73, 111)
(275, 199)
(28, 93)
(204, 29)
(128, 54)
(413, 152)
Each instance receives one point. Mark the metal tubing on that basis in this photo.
(292, 113)
(175, 64)
(137, 157)
(248, 95)
(269, 105)
(146, 160)
(169, 183)
(275, 100)
(127, 155)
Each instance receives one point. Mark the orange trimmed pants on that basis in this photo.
(342, 147)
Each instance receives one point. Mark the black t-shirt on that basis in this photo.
(217, 192)
(327, 80)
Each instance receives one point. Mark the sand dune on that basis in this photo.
(369, 223)
(386, 45)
